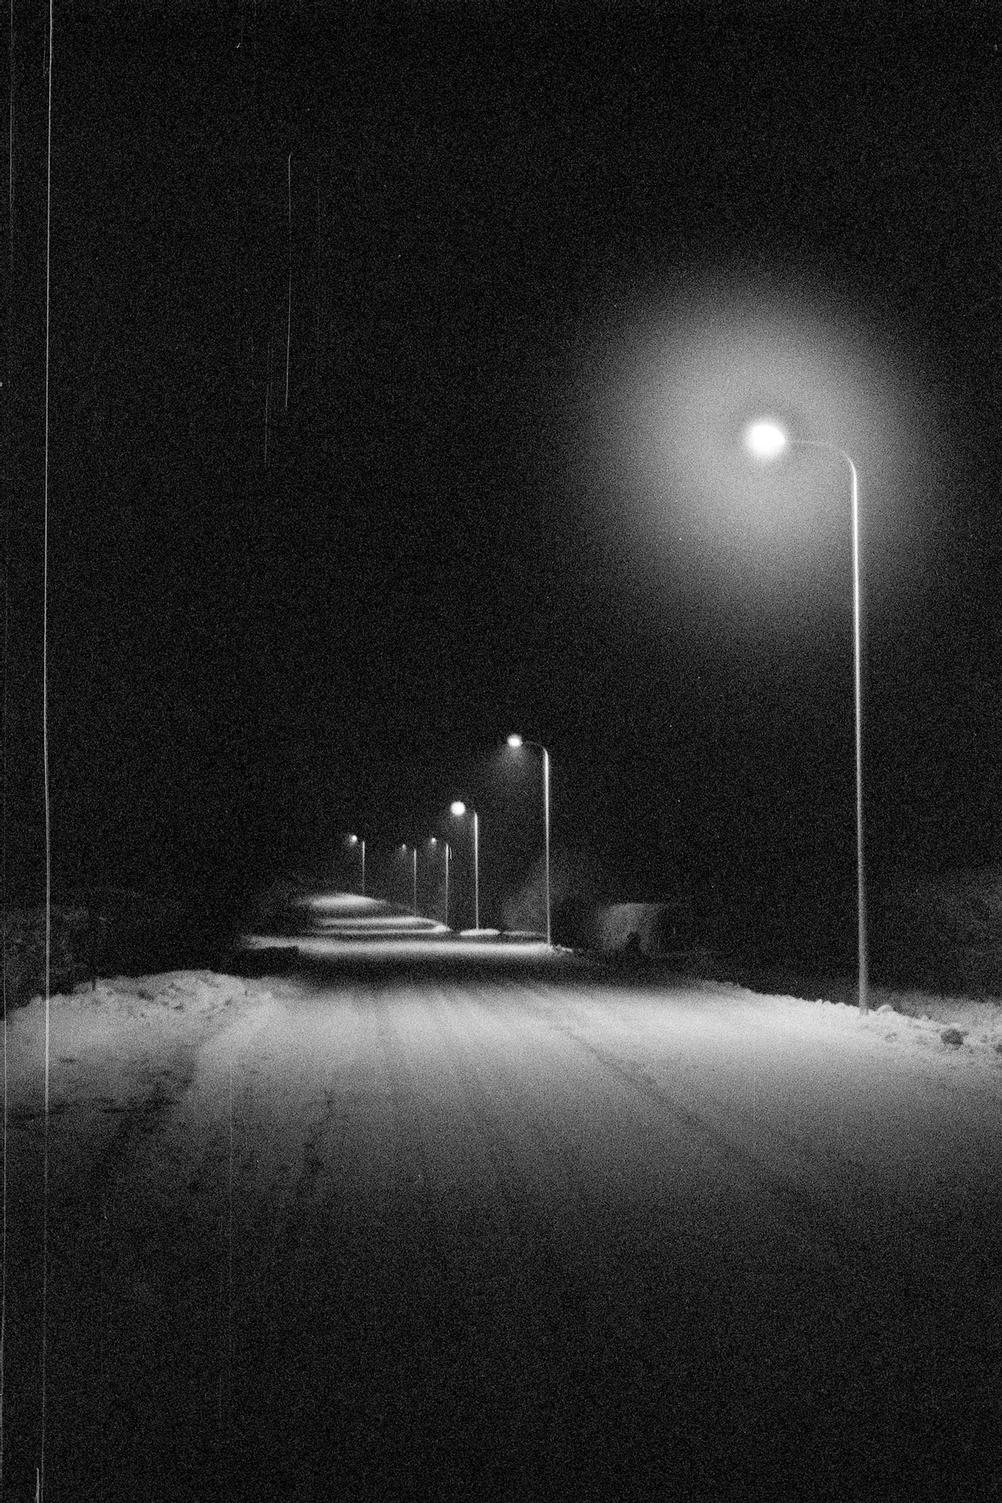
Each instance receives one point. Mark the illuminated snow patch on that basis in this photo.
(451, 947)
(381, 922)
(383, 931)
(337, 902)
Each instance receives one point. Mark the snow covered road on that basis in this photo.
(332, 1237)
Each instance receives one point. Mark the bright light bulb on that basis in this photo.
(765, 439)
(515, 741)
(458, 807)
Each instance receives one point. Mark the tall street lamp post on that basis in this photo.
(459, 809)
(767, 440)
(515, 742)
(413, 850)
(354, 840)
(445, 848)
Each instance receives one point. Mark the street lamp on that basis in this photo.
(767, 440)
(515, 742)
(413, 850)
(445, 845)
(354, 840)
(459, 809)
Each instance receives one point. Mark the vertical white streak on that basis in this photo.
(10, 144)
(3, 1022)
(546, 838)
(316, 354)
(288, 327)
(857, 654)
(219, 1304)
(6, 721)
(267, 406)
(229, 1270)
(45, 764)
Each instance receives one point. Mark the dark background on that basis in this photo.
(269, 624)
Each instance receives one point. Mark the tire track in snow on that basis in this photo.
(605, 1316)
(872, 1208)
(465, 1246)
(812, 1193)
(892, 1300)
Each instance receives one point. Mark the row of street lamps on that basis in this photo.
(403, 848)
(459, 810)
(766, 440)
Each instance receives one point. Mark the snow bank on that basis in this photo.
(962, 1012)
(970, 1031)
(100, 1037)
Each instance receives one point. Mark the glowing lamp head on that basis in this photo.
(514, 742)
(765, 439)
(353, 840)
(458, 808)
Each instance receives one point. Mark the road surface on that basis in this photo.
(515, 1233)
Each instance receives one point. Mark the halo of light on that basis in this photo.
(765, 439)
(664, 381)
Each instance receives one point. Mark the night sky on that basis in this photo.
(335, 506)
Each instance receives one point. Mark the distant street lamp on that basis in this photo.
(413, 850)
(515, 742)
(445, 846)
(354, 840)
(767, 440)
(459, 809)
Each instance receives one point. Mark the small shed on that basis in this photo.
(659, 928)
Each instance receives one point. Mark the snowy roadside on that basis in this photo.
(970, 1031)
(104, 1040)
(980, 1020)
(921, 1019)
